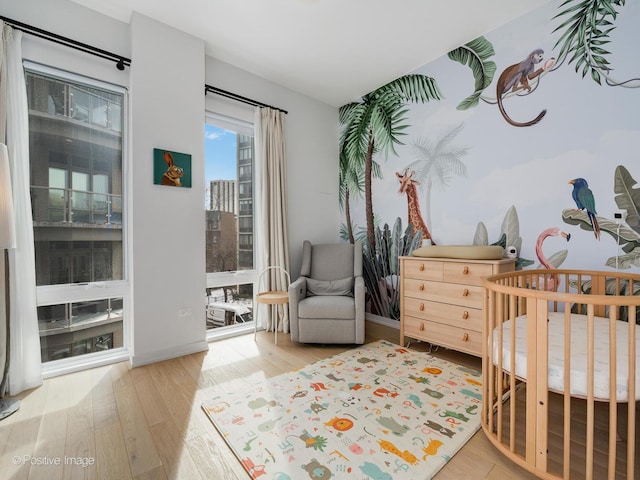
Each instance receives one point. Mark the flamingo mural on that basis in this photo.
(550, 284)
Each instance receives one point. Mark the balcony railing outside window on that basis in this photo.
(80, 103)
(65, 316)
(75, 206)
(72, 329)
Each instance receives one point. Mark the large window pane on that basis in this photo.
(76, 171)
(229, 201)
(229, 222)
(76, 180)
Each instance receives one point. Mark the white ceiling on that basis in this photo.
(331, 50)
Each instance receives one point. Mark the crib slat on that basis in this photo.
(566, 457)
(631, 429)
(590, 385)
(531, 446)
(598, 287)
(613, 406)
(512, 362)
(538, 370)
(499, 374)
(488, 369)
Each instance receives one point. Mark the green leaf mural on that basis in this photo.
(627, 197)
(475, 54)
(481, 236)
(509, 235)
(556, 259)
(585, 26)
(511, 228)
(381, 267)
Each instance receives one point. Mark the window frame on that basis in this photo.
(97, 290)
(239, 121)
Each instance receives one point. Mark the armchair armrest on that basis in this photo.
(297, 291)
(359, 298)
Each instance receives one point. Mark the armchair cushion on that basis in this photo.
(325, 306)
(343, 286)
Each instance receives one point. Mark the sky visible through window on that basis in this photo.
(220, 154)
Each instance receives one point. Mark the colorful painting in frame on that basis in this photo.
(171, 168)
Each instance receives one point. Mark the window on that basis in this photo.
(72, 329)
(230, 222)
(76, 166)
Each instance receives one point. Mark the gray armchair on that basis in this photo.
(326, 303)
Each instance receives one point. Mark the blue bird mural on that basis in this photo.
(583, 196)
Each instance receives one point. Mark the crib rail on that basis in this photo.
(584, 425)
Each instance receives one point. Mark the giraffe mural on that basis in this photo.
(408, 187)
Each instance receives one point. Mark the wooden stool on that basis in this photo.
(272, 297)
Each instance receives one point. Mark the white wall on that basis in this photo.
(168, 255)
(311, 149)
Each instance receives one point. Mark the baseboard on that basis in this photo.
(166, 354)
(387, 322)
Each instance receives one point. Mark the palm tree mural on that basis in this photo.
(375, 124)
(437, 162)
(351, 183)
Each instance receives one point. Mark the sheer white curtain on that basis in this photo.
(272, 169)
(25, 366)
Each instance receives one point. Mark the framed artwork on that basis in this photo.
(171, 168)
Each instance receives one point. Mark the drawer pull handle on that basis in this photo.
(421, 268)
(465, 315)
(465, 270)
(421, 287)
(465, 292)
(421, 327)
(421, 307)
(465, 337)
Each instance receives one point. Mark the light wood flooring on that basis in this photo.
(146, 422)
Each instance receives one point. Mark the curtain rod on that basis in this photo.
(67, 42)
(240, 98)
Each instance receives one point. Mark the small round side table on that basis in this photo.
(272, 297)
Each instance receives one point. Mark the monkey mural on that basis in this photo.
(516, 78)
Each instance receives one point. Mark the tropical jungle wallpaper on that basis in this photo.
(528, 136)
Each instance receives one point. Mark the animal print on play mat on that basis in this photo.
(378, 411)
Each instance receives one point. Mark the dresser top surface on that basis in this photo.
(458, 260)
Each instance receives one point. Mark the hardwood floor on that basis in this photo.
(119, 423)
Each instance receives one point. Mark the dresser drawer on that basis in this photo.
(457, 338)
(454, 315)
(463, 295)
(466, 273)
(423, 269)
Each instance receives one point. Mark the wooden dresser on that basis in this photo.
(442, 299)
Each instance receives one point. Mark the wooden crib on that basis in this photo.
(561, 368)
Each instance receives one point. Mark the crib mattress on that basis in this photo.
(578, 372)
